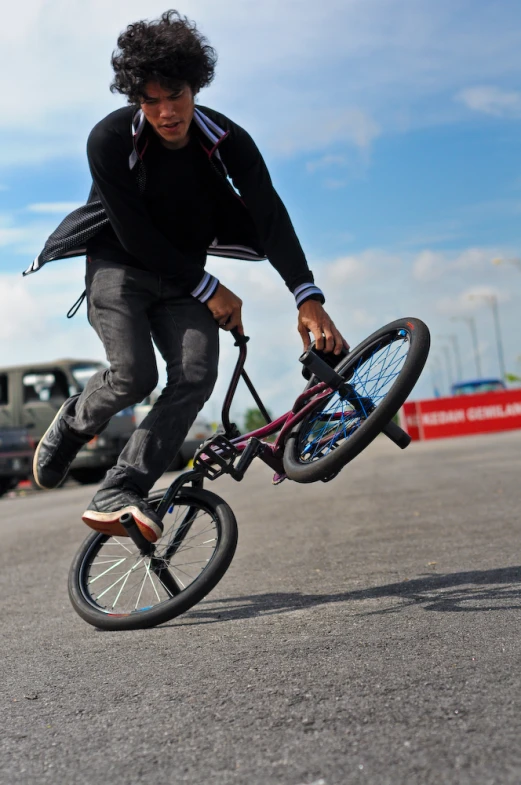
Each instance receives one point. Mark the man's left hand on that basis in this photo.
(312, 318)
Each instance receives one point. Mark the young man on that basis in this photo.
(161, 200)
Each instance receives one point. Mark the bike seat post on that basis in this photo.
(145, 547)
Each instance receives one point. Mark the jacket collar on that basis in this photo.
(206, 126)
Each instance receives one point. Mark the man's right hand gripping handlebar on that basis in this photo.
(226, 309)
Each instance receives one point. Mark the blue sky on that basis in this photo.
(391, 129)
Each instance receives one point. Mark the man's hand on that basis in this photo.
(312, 318)
(226, 309)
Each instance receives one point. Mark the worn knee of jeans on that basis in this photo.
(132, 385)
(189, 386)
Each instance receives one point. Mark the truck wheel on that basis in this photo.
(7, 484)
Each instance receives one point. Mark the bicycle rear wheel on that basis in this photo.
(113, 587)
(380, 374)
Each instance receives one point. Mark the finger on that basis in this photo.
(319, 338)
(237, 318)
(234, 320)
(339, 342)
(304, 334)
(329, 340)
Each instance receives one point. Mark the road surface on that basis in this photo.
(366, 632)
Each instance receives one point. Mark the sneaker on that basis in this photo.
(109, 504)
(57, 449)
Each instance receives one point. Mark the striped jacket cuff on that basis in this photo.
(306, 291)
(206, 288)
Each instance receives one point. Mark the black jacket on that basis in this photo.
(255, 226)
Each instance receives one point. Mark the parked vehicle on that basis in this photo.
(200, 430)
(478, 386)
(30, 396)
(16, 456)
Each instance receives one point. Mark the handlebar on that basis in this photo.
(240, 340)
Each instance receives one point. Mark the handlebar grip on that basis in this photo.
(240, 340)
(397, 435)
(321, 369)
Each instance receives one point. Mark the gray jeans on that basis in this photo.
(129, 309)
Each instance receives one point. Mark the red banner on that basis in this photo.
(438, 418)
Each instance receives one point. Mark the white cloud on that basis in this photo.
(11, 236)
(24, 240)
(363, 292)
(475, 259)
(345, 271)
(332, 125)
(37, 304)
(334, 185)
(53, 208)
(363, 319)
(492, 100)
(33, 324)
(428, 266)
(326, 161)
(434, 265)
(332, 73)
(470, 299)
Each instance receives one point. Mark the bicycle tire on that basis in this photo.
(301, 467)
(91, 612)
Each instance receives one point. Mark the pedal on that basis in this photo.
(215, 456)
(127, 521)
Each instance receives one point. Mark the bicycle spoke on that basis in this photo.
(140, 593)
(108, 570)
(152, 582)
(113, 584)
(121, 589)
(340, 417)
(120, 580)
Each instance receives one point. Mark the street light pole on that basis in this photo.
(455, 345)
(500, 354)
(434, 382)
(435, 360)
(448, 363)
(472, 325)
(491, 299)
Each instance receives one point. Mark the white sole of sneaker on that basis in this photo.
(37, 452)
(108, 523)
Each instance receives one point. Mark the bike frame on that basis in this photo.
(269, 453)
(284, 423)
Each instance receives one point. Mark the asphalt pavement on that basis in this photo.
(367, 631)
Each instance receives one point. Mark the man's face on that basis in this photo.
(169, 112)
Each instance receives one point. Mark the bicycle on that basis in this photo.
(127, 583)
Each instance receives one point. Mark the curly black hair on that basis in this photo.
(169, 50)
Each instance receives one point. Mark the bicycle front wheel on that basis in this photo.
(113, 587)
(380, 374)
